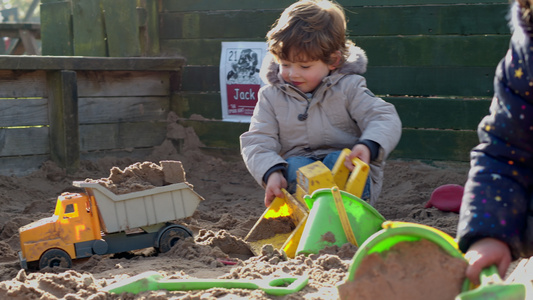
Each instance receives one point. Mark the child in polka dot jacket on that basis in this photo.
(496, 218)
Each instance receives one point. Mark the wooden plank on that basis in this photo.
(29, 42)
(21, 165)
(17, 62)
(208, 24)
(122, 28)
(442, 50)
(123, 109)
(201, 5)
(140, 154)
(417, 2)
(201, 79)
(198, 51)
(63, 112)
(12, 29)
(453, 145)
(23, 112)
(24, 141)
(206, 105)
(431, 81)
(218, 134)
(22, 84)
(440, 113)
(16, 47)
(149, 29)
(400, 81)
(122, 83)
(121, 135)
(88, 28)
(362, 21)
(56, 28)
(428, 20)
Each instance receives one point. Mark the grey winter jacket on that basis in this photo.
(341, 111)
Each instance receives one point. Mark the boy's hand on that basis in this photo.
(360, 151)
(275, 182)
(484, 253)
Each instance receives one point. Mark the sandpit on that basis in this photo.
(233, 204)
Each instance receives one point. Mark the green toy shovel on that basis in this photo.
(492, 287)
(153, 281)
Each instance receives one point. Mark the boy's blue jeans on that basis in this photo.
(329, 161)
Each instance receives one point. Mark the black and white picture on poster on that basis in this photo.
(239, 78)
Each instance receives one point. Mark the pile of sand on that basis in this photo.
(142, 176)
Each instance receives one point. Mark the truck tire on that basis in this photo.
(55, 258)
(171, 237)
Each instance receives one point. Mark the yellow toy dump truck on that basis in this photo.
(101, 222)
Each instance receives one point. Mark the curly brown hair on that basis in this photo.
(309, 30)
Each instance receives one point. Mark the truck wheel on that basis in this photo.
(55, 258)
(171, 236)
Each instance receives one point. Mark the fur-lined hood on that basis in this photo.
(355, 64)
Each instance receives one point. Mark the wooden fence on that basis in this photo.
(72, 108)
(433, 59)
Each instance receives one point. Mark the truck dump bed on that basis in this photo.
(143, 208)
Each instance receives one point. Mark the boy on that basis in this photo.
(315, 103)
(496, 218)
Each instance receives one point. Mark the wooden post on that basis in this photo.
(63, 114)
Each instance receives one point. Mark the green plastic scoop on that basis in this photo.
(153, 281)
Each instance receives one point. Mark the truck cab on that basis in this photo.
(74, 222)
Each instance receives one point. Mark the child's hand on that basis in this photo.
(275, 182)
(360, 151)
(484, 253)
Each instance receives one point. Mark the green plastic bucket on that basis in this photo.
(324, 227)
(395, 232)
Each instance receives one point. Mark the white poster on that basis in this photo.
(239, 78)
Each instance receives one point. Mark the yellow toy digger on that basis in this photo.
(292, 209)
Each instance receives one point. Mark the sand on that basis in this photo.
(233, 203)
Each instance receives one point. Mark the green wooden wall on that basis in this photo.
(114, 28)
(433, 59)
